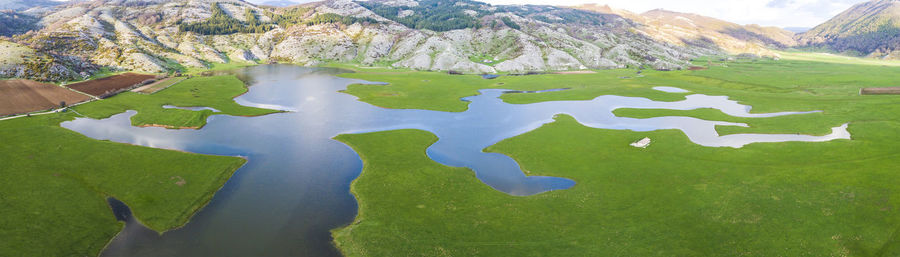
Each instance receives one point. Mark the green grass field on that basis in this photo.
(220, 66)
(216, 92)
(442, 92)
(834, 58)
(56, 181)
(675, 198)
(156, 87)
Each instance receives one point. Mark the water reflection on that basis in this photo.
(295, 187)
(189, 108)
(671, 89)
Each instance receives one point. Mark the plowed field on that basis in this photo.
(22, 96)
(110, 85)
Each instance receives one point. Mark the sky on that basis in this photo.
(779, 13)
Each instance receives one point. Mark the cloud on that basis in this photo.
(779, 3)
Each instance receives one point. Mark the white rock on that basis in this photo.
(643, 143)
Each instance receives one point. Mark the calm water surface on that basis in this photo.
(295, 187)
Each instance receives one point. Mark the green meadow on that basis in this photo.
(56, 181)
(674, 198)
(216, 92)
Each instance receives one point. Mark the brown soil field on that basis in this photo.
(22, 96)
(880, 91)
(696, 68)
(111, 85)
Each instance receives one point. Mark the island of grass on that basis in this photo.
(674, 198)
(441, 92)
(216, 92)
(56, 181)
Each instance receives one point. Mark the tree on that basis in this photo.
(219, 23)
(510, 23)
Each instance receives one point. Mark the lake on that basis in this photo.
(295, 187)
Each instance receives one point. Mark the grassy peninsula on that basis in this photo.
(56, 181)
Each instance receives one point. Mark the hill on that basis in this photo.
(459, 35)
(866, 29)
(12, 23)
(467, 36)
(705, 32)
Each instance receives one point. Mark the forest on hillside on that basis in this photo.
(14, 23)
(220, 23)
(433, 15)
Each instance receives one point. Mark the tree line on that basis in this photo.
(220, 23)
(436, 15)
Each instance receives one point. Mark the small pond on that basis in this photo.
(196, 108)
(671, 89)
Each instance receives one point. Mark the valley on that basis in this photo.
(443, 128)
(765, 98)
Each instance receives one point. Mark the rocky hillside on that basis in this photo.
(869, 29)
(77, 39)
(705, 32)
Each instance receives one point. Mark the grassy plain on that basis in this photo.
(675, 198)
(442, 92)
(767, 85)
(159, 85)
(834, 58)
(220, 66)
(56, 181)
(216, 92)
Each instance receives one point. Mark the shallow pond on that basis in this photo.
(671, 89)
(295, 187)
(194, 108)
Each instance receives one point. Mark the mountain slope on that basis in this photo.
(12, 23)
(702, 31)
(460, 35)
(870, 28)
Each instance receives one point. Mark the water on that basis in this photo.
(671, 89)
(195, 108)
(295, 187)
(534, 92)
